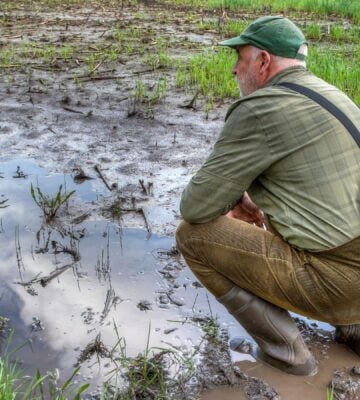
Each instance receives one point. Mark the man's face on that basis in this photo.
(246, 70)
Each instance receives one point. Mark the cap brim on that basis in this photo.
(234, 42)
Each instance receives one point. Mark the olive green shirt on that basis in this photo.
(297, 162)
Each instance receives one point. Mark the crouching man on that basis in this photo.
(288, 162)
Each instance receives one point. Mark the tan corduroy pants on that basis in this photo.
(226, 252)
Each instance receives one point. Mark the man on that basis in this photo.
(272, 218)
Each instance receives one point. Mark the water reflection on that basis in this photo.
(63, 285)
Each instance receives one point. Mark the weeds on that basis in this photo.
(335, 67)
(209, 72)
(13, 384)
(330, 393)
(95, 347)
(159, 59)
(344, 8)
(156, 373)
(313, 31)
(143, 94)
(116, 209)
(8, 379)
(50, 205)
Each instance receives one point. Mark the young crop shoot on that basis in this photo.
(50, 205)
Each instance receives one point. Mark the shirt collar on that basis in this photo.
(285, 72)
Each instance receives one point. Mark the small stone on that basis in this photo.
(241, 345)
(144, 305)
(36, 325)
(355, 370)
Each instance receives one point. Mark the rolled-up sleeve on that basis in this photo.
(239, 156)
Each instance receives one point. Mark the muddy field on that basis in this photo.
(89, 100)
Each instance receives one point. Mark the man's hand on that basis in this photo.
(247, 211)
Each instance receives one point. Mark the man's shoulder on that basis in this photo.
(275, 98)
(259, 102)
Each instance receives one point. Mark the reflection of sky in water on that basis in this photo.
(71, 306)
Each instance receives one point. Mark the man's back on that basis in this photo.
(301, 166)
(297, 161)
(311, 190)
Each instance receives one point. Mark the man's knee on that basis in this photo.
(183, 233)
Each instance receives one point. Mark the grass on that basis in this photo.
(9, 5)
(15, 386)
(154, 373)
(150, 94)
(330, 393)
(50, 205)
(331, 33)
(344, 8)
(210, 71)
(338, 66)
(313, 31)
(227, 27)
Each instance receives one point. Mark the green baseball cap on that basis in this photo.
(276, 34)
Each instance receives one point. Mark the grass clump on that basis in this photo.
(8, 379)
(210, 72)
(144, 94)
(9, 58)
(226, 27)
(50, 205)
(343, 8)
(339, 67)
(15, 386)
(330, 393)
(155, 373)
(313, 31)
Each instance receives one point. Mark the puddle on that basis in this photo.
(335, 365)
(224, 394)
(62, 285)
(117, 276)
(337, 357)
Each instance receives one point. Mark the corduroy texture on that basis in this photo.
(225, 253)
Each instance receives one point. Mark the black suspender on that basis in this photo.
(325, 103)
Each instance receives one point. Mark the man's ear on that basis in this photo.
(265, 60)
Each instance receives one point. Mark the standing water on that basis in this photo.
(75, 281)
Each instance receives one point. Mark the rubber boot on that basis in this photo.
(349, 335)
(279, 340)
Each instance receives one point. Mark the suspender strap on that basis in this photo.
(325, 103)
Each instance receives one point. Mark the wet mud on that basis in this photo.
(106, 266)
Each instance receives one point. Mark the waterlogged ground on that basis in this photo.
(63, 284)
(106, 268)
